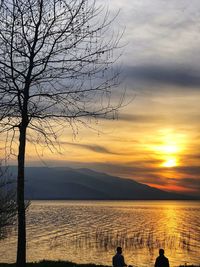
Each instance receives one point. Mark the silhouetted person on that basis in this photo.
(161, 260)
(118, 259)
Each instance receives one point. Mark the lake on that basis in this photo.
(89, 231)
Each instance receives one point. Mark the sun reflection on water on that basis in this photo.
(84, 231)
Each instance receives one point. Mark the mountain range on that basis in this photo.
(85, 184)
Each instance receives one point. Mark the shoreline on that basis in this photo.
(47, 263)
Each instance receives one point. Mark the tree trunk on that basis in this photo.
(21, 245)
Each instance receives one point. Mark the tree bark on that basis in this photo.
(21, 245)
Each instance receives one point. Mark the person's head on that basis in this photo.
(119, 250)
(161, 251)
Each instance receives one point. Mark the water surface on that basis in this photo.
(89, 231)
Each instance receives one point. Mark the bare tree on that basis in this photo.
(56, 59)
(8, 207)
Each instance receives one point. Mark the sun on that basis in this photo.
(168, 153)
(170, 163)
(169, 147)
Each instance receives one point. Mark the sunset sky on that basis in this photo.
(156, 138)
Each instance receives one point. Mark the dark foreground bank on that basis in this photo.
(52, 264)
(65, 264)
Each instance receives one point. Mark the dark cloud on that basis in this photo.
(178, 118)
(195, 156)
(190, 183)
(166, 75)
(140, 118)
(92, 147)
(188, 170)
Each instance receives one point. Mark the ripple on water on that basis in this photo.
(89, 231)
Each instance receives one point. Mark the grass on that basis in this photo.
(45, 263)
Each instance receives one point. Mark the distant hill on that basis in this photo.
(85, 184)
